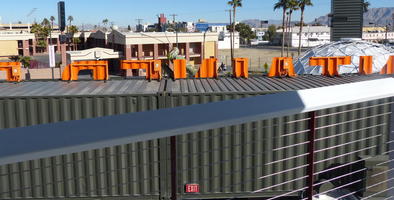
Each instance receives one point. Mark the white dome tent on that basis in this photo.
(354, 48)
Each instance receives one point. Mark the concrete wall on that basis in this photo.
(8, 48)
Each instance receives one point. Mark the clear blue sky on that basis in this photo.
(124, 12)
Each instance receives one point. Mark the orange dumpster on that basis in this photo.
(179, 68)
(13, 71)
(282, 66)
(98, 67)
(240, 67)
(330, 64)
(152, 67)
(208, 69)
(365, 66)
(389, 67)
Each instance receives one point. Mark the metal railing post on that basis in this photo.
(174, 185)
(391, 148)
(311, 156)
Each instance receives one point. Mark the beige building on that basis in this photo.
(156, 45)
(13, 43)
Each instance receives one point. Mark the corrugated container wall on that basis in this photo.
(225, 162)
(115, 171)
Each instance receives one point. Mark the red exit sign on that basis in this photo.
(192, 188)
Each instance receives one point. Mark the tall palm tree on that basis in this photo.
(52, 18)
(282, 4)
(302, 4)
(105, 22)
(292, 5)
(70, 19)
(234, 4)
(366, 5)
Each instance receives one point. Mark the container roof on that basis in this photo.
(257, 84)
(260, 84)
(79, 88)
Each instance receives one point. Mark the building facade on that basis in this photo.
(194, 47)
(311, 36)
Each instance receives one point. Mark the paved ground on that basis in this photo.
(258, 56)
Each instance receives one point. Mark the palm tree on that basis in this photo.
(45, 22)
(282, 4)
(302, 4)
(105, 22)
(366, 5)
(52, 18)
(70, 19)
(234, 4)
(73, 30)
(292, 5)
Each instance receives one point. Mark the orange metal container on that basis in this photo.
(208, 69)
(389, 67)
(99, 69)
(330, 64)
(179, 68)
(240, 67)
(365, 66)
(152, 67)
(282, 66)
(13, 70)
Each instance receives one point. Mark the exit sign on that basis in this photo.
(192, 188)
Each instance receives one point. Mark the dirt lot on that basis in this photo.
(258, 56)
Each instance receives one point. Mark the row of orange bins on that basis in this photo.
(283, 66)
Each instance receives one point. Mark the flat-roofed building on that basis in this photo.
(311, 36)
(156, 45)
(13, 43)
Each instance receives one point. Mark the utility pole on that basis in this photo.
(139, 24)
(231, 36)
(176, 28)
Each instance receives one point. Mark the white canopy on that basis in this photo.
(93, 54)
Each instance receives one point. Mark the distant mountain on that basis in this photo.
(377, 16)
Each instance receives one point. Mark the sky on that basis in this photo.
(125, 12)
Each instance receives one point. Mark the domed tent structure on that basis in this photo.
(354, 48)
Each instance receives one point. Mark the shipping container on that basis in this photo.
(225, 162)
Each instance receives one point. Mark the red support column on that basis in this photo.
(34, 47)
(127, 52)
(26, 49)
(187, 51)
(155, 51)
(128, 56)
(64, 55)
(140, 52)
(58, 44)
(202, 57)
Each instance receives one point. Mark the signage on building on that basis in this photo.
(192, 188)
(52, 60)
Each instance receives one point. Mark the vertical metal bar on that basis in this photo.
(391, 147)
(173, 168)
(311, 156)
